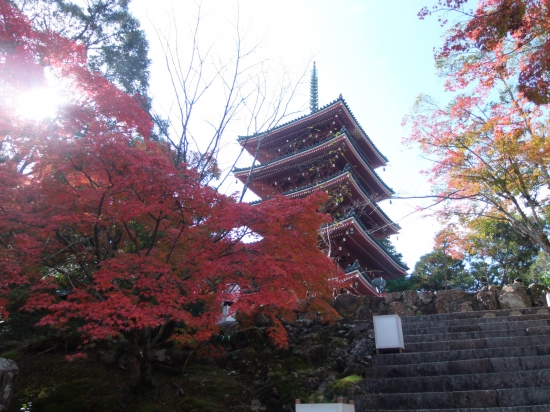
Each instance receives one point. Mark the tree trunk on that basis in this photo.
(140, 367)
(8, 374)
(146, 373)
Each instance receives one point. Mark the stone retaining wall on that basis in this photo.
(411, 303)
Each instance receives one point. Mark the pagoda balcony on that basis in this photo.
(339, 151)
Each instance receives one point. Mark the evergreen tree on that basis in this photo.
(435, 271)
(115, 44)
(439, 271)
(390, 248)
(509, 254)
(400, 284)
(539, 272)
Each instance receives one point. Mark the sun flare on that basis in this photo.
(38, 104)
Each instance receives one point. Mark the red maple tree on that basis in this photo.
(107, 234)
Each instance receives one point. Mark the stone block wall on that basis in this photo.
(411, 303)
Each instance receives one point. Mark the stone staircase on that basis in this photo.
(484, 361)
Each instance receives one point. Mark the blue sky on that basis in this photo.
(378, 55)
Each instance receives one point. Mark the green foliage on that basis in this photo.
(483, 272)
(390, 248)
(494, 254)
(51, 383)
(399, 284)
(76, 395)
(21, 324)
(439, 271)
(287, 376)
(539, 272)
(115, 44)
(346, 383)
(497, 254)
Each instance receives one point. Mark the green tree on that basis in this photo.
(115, 44)
(495, 249)
(439, 271)
(483, 273)
(390, 248)
(400, 284)
(539, 272)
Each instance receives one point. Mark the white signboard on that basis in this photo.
(388, 333)
(325, 407)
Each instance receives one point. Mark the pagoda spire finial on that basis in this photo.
(314, 91)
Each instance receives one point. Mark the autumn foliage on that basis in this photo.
(499, 37)
(490, 143)
(110, 236)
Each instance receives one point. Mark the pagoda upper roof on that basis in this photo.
(377, 158)
(290, 158)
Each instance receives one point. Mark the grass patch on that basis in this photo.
(346, 383)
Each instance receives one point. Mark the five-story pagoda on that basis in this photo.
(328, 150)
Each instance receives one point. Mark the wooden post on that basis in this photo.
(340, 400)
(298, 401)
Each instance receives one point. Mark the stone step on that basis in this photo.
(535, 338)
(475, 314)
(469, 366)
(535, 408)
(491, 361)
(453, 383)
(511, 398)
(472, 321)
(437, 337)
(409, 358)
(481, 326)
(485, 365)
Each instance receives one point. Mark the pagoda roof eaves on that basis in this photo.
(364, 159)
(357, 274)
(340, 99)
(363, 229)
(252, 136)
(350, 172)
(305, 149)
